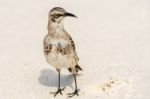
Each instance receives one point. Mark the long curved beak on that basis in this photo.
(70, 15)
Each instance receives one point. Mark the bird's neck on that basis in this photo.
(55, 27)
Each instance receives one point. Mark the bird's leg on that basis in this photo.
(59, 89)
(76, 88)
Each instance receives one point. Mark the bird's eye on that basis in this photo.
(57, 15)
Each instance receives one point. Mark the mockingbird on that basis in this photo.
(59, 48)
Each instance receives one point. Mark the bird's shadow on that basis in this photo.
(50, 78)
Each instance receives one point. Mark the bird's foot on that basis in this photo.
(74, 93)
(58, 91)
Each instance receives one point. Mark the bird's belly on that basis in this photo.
(60, 61)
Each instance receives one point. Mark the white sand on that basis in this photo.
(112, 38)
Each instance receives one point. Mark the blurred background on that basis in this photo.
(112, 41)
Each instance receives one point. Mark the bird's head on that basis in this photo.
(57, 14)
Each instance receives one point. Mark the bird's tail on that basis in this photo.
(77, 68)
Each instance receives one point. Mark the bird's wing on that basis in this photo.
(73, 47)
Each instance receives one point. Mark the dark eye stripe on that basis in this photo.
(57, 15)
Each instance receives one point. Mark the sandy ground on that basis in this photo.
(112, 39)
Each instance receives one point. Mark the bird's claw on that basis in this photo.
(58, 91)
(73, 94)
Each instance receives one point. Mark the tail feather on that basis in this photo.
(77, 68)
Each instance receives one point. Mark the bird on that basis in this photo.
(59, 47)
